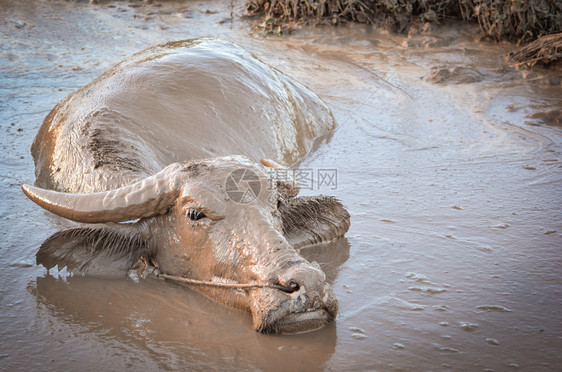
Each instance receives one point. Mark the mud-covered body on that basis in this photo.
(173, 102)
(152, 139)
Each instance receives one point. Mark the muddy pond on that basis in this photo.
(447, 159)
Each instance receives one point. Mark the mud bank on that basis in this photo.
(448, 160)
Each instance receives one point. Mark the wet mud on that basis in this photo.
(447, 159)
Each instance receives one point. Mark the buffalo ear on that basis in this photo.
(103, 250)
(313, 219)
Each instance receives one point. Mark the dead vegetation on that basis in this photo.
(395, 15)
(515, 20)
(545, 50)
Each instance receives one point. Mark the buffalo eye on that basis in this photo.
(195, 215)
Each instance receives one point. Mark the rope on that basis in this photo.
(155, 270)
(218, 284)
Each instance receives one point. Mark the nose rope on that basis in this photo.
(207, 283)
(155, 270)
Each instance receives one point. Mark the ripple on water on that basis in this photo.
(501, 226)
(387, 220)
(492, 341)
(446, 349)
(358, 333)
(359, 336)
(469, 327)
(347, 288)
(427, 290)
(417, 277)
(420, 278)
(410, 306)
(496, 308)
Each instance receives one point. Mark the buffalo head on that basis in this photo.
(223, 219)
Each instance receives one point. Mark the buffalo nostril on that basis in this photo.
(293, 285)
(288, 287)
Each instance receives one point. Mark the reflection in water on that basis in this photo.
(173, 326)
(177, 327)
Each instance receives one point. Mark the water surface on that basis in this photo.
(448, 160)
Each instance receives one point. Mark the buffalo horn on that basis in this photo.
(151, 196)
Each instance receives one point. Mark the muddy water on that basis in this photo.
(448, 160)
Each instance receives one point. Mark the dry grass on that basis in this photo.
(545, 50)
(396, 15)
(516, 20)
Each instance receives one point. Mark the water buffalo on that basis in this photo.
(150, 142)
